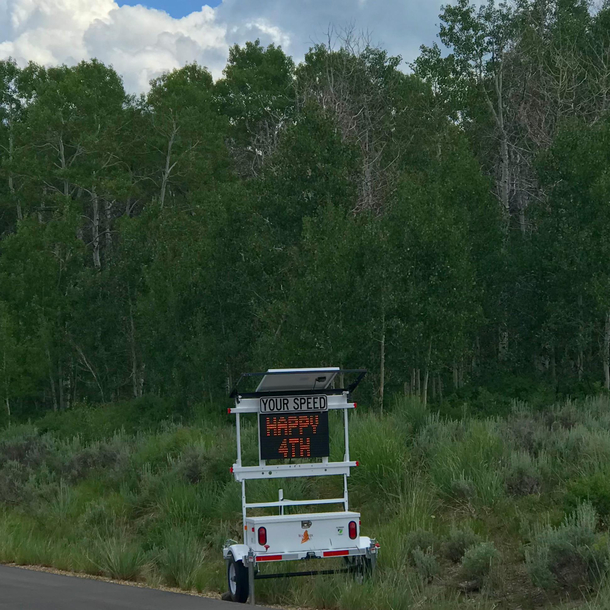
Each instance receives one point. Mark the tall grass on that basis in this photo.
(156, 506)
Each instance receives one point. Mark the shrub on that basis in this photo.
(118, 558)
(458, 542)
(525, 431)
(571, 555)
(522, 477)
(420, 540)
(105, 457)
(594, 489)
(181, 559)
(425, 563)
(13, 480)
(101, 422)
(378, 443)
(477, 562)
(29, 450)
(198, 463)
(462, 489)
(465, 458)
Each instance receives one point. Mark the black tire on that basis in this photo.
(237, 579)
(361, 567)
(366, 566)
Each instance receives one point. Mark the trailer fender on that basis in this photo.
(239, 551)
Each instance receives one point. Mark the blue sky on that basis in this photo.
(176, 8)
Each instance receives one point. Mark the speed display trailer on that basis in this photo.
(292, 408)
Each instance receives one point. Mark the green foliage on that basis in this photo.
(155, 505)
(572, 555)
(522, 476)
(594, 489)
(457, 542)
(422, 541)
(337, 211)
(93, 423)
(118, 558)
(477, 562)
(181, 559)
(425, 564)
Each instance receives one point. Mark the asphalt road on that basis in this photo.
(29, 590)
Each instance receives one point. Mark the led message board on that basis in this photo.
(294, 434)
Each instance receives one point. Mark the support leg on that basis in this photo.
(251, 580)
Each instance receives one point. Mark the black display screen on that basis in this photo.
(287, 436)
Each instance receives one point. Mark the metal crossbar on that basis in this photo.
(274, 471)
(283, 503)
(308, 573)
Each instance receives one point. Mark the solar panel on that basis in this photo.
(292, 380)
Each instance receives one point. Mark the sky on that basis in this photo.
(144, 40)
(176, 8)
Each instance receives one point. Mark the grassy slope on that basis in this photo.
(157, 506)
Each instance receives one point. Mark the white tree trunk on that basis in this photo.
(63, 165)
(169, 166)
(11, 183)
(137, 380)
(108, 232)
(503, 343)
(382, 363)
(6, 395)
(606, 353)
(427, 376)
(97, 261)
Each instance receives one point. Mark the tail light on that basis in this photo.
(352, 530)
(262, 536)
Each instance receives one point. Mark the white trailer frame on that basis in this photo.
(361, 552)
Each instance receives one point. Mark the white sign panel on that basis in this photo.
(293, 404)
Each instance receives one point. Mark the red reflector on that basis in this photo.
(335, 553)
(355, 405)
(229, 410)
(231, 469)
(269, 558)
(262, 536)
(357, 463)
(352, 529)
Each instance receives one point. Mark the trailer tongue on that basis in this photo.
(292, 407)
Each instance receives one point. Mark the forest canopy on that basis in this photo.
(445, 224)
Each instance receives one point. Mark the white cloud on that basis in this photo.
(142, 43)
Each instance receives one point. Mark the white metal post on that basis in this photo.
(243, 483)
(238, 425)
(346, 432)
(250, 559)
(243, 507)
(258, 436)
(345, 458)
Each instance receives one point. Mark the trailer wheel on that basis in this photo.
(361, 567)
(367, 567)
(237, 577)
